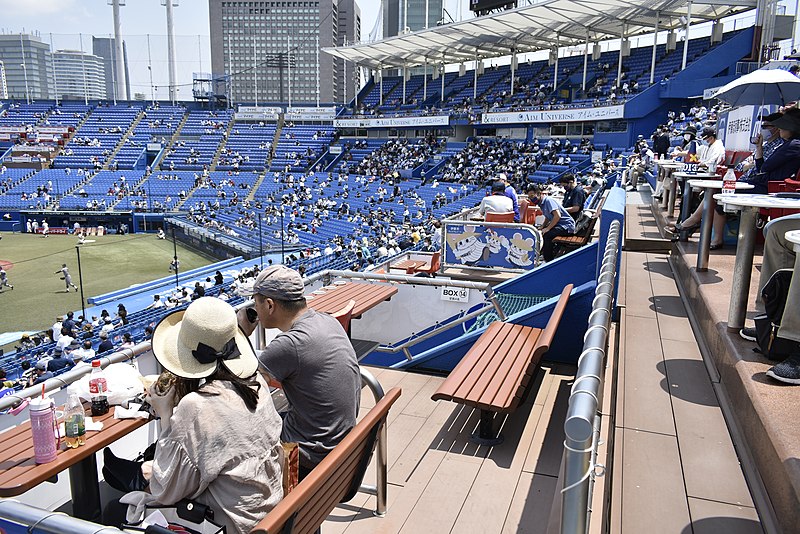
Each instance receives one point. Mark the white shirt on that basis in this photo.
(496, 204)
(714, 155)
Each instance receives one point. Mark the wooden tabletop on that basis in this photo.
(408, 264)
(367, 296)
(19, 472)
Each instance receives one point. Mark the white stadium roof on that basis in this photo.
(541, 26)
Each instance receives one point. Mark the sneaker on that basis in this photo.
(749, 334)
(788, 371)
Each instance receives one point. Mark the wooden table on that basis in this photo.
(405, 265)
(749, 206)
(19, 472)
(367, 296)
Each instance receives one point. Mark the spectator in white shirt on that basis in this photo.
(497, 202)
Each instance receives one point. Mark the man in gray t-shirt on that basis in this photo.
(313, 360)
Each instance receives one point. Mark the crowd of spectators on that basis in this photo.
(398, 154)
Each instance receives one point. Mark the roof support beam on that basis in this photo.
(686, 41)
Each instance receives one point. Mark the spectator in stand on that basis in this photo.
(59, 361)
(42, 373)
(83, 353)
(574, 197)
(105, 343)
(497, 202)
(558, 221)
(661, 142)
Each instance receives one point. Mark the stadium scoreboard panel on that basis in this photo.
(481, 7)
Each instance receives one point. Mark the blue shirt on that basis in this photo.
(510, 193)
(549, 206)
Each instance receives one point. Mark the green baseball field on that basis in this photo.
(108, 263)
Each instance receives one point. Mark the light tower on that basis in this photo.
(171, 47)
(119, 58)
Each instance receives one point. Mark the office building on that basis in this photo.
(249, 39)
(28, 65)
(395, 19)
(104, 47)
(79, 75)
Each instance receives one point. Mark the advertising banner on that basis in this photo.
(558, 115)
(501, 246)
(310, 114)
(393, 122)
(737, 126)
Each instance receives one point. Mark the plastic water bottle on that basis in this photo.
(729, 183)
(98, 388)
(74, 422)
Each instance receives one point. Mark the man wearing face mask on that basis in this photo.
(557, 221)
(714, 153)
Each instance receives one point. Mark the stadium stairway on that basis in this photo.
(172, 140)
(124, 139)
(221, 147)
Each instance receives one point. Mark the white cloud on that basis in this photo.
(36, 8)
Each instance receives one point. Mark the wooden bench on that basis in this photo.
(336, 479)
(495, 373)
(567, 243)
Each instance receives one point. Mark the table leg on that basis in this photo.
(705, 231)
(85, 489)
(673, 194)
(686, 204)
(665, 191)
(743, 268)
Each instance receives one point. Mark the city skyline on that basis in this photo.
(144, 32)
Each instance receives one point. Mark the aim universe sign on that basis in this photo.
(559, 115)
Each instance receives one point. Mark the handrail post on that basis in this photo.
(581, 427)
(381, 458)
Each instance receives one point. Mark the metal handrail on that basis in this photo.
(39, 520)
(582, 425)
(65, 379)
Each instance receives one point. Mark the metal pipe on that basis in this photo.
(743, 267)
(381, 456)
(118, 68)
(53, 64)
(410, 343)
(483, 286)
(585, 61)
(686, 42)
(171, 52)
(45, 521)
(655, 45)
(580, 424)
(705, 230)
(69, 377)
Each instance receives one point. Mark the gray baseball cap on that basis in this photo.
(278, 282)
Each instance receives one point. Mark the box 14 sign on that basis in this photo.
(455, 294)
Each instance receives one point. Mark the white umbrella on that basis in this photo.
(774, 86)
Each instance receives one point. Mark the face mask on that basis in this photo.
(688, 137)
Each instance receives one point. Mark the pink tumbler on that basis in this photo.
(44, 427)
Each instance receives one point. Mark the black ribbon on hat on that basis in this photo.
(206, 354)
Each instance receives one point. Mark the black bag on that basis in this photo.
(126, 475)
(769, 344)
(774, 295)
(188, 516)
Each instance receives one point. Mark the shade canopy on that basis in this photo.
(544, 25)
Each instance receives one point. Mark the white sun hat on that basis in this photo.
(190, 343)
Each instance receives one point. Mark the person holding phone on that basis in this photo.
(313, 361)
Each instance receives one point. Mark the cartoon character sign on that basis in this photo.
(494, 241)
(467, 247)
(519, 250)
